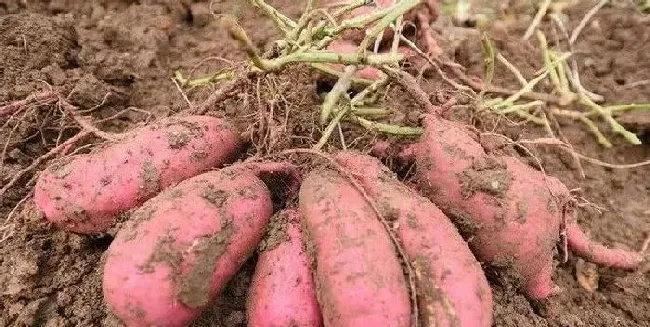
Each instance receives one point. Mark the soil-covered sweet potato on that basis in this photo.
(452, 288)
(86, 193)
(180, 248)
(283, 292)
(358, 276)
(510, 213)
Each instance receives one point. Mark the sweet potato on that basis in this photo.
(180, 248)
(358, 276)
(85, 193)
(510, 212)
(452, 288)
(283, 292)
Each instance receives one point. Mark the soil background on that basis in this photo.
(107, 56)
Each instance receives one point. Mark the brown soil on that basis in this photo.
(122, 54)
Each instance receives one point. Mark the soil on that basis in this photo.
(108, 56)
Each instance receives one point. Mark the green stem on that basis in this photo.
(361, 96)
(216, 77)
(529, 87)
(602, 139)
(529, 117)
(371, 112)
(285, 23)
(389, 128)
(627, 107)
(524, 107)
(305, 18)
(547, 59)
(238, 34)
(332, 98)
(489, 62)
(331, 57)
(396, 10)
(330, 71)
(607, 115)
(513, 69)
(327, 133)
(348, 8)
(358, 21)
(562, 75)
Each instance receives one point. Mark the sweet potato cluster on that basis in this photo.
(357, 248)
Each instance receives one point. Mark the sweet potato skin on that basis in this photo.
(283, 292)
(502, 205)
(181, 247)
(453, 290)
(86, 193)
(359, 279)
(510, 212)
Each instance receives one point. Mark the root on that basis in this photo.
(410, 85)
(8, 226)
(45, 97)
(225, 91)
(597, 253)
(556, 142)
(427, 34)
(85, 123)
(645, 245)
(61, 149)
(50, 97)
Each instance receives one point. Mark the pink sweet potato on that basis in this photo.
(510, 212)
(452, 288)
(180, 248)
(85, 193)
(283, 292)
(358, 276)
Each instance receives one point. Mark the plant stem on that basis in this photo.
(238, 34)
(285, 23)
(538, 18)
(525, 107)
(520, 77)
(602, 139)
(327, 133)
(489, 62)
(330, 57)
(627, 107)
(607, 115)
(330, 71)
(395, 11)
(371, 112)
(332, 98)
(529, 87)
(361, 96)
(547, 59)
(200, 81)
(388, 128)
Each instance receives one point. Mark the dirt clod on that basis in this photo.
(487, 175)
